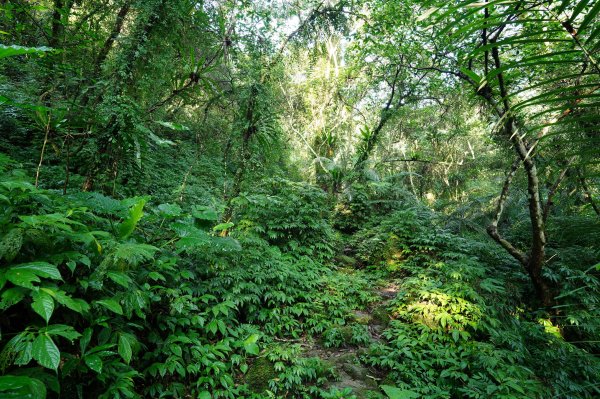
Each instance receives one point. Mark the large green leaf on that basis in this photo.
(25, 274)
(62, 330)
(85, 339)
(12, 296)
(22, 278)
(175, 126)
(46, 352)
(24, 353)
(124, 348)
(42, 269)
(94, 362)
(43, 304)
(19, 387)
(11, 51)
(397, 393)
(250, 345)
(120, 278)
(205, 213)
(75, 304)
(135, 214)
(111, 305)
(169, 210)
(133, 253)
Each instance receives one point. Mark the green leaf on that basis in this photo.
(24, 275)
(174, 126)
(85, 339)
(41, 269)
(176, 349)
(205, 213)
(46, 352)
(471, 75)
(62, 330)
(111, 305)
(159, 141)
(133, 253)
(11, 51)
(171, 210)
(24, 355)
(250, 344)
(222, 226)
(124, 348)
(43, 304)
(19, 387)
(22, 278)
(135, 214)
(204, 395)
(455, 335)
(11, 297)
(120, 278)
(212, 326)
(76, 304)
(94, 362)
(397, 393)
(155, 276)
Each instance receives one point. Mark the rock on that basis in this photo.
(362, 317)
(355, 371)
(259, 374)
(388, 292)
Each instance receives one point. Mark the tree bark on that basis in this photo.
(60, 17)
(536, 257)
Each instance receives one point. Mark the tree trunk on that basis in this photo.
(60, 17)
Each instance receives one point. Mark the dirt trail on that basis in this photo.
(352, 374)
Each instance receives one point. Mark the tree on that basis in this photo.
(495, 45)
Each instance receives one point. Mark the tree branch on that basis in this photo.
(588, 193)
(492, 229)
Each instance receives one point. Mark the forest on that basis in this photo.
(352, 199)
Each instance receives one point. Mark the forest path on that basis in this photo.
(352, 374)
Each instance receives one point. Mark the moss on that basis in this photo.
(259, 374)
(362, 317)
(345, 358)
(357, 372)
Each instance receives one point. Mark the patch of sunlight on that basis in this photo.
(439, 309)
(550, 328)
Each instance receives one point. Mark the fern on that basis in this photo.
(133, 254)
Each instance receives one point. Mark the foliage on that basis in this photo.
(256, 199)
(449, 326)
(290, 215)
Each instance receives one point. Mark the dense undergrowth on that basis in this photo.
(308, 199)
(126, 298)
